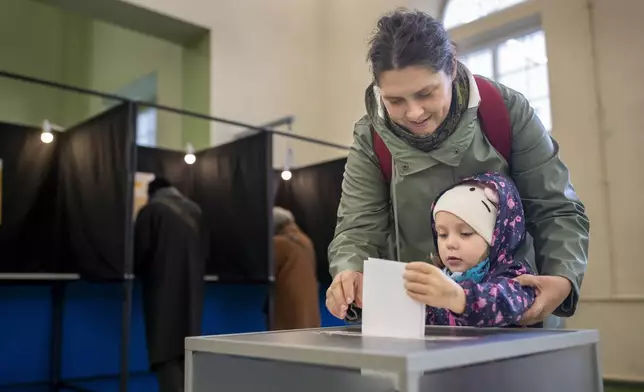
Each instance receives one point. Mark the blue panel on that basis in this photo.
(92, 329)
(234, 309)
(147, 383)
(24, 333)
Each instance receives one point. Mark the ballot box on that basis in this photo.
(446, 360)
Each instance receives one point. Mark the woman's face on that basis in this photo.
(416, 97)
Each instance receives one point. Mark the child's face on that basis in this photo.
(459, 246)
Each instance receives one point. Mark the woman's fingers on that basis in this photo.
(345, 289)
(332, 307)
(338, 300)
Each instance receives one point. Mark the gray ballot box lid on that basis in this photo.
(441, 348)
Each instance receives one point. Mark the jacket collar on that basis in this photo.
(410, 160)
(166, 193)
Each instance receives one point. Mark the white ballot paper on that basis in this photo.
(387, 310)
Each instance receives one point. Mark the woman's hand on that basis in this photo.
(428, 284)
(551, 292)
(345, 289)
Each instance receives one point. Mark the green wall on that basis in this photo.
(33, 49)
(43, 41)
(196, 92)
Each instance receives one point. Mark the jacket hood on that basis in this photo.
(373, 105)
(509, 229)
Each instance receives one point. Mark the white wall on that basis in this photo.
(265, 65)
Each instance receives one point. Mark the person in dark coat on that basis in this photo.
(297, 304)
(170, 262)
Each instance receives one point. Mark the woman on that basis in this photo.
(423, 105)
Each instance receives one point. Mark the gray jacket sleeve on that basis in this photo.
(363, 214)
(555, 216)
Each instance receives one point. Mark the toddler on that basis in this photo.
(478, 226)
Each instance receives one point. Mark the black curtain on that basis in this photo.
(232, 185)
(169, 164)
(95, 187)
(28, 227)
(313, 195)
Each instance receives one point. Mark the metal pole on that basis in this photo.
(184, 112)
(128, 278)
(270, 261)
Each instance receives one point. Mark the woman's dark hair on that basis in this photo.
(406, 38)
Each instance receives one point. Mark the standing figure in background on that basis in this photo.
(170, 262)
(296, 288)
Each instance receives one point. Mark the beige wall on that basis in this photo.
(613, 296)
(346, 29)
(308, 59)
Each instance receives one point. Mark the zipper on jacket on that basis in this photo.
(394, 176)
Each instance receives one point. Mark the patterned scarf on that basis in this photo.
(460, 100)
(476, 274)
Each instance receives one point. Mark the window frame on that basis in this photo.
(153, 112)
(494, 29)
(494, 46)
(445, 6)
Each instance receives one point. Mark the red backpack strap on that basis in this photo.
(495, 118)
(383, 154)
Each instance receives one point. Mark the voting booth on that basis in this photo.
(446, 359)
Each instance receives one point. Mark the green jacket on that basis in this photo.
(558, 228)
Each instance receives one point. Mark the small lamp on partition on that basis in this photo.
(190, 157)
(46, 136)
(286, 173)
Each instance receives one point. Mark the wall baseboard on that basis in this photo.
(613, 299)
(617, 381)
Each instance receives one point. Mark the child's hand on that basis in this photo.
(428, 284)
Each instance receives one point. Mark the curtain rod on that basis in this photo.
(80, 90)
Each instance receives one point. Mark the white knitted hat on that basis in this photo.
(475, 204)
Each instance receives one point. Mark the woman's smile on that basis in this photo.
(418, 126)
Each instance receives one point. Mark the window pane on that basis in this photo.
(523, 66)
(515, 80)
(537, 79)
(146, 127)
(522, 52)
(480, 62)
(542, 110)
(458, 12)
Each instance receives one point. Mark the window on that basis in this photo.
(146, 127)
(458, 12)
(519, 63)
(142, 89)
